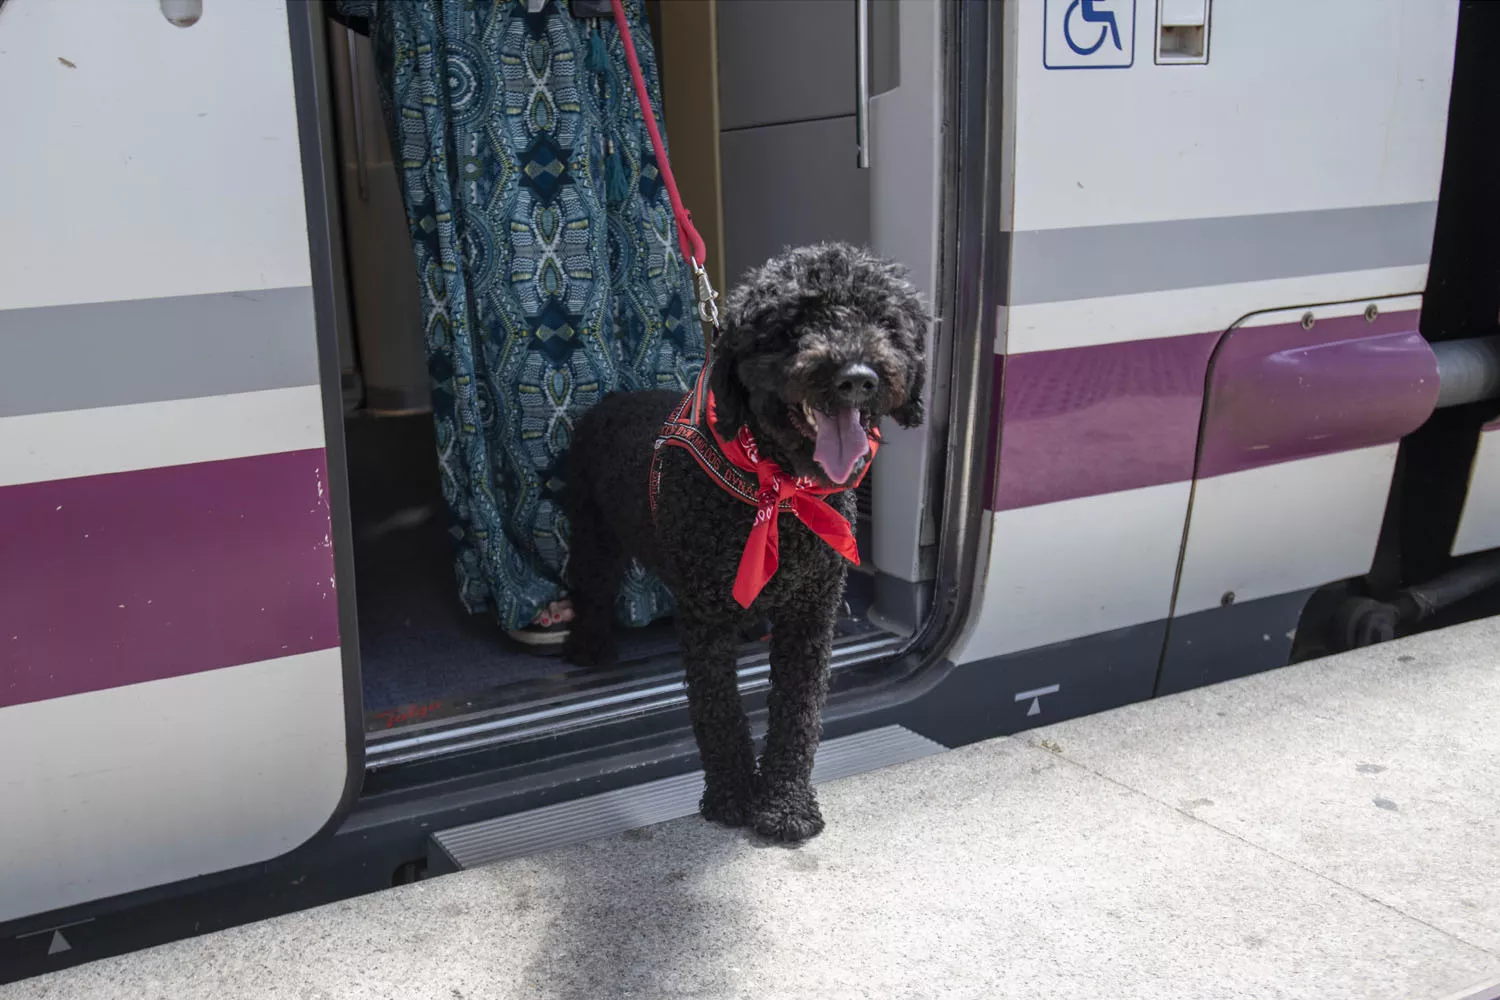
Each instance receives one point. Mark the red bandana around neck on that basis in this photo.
(737, 466)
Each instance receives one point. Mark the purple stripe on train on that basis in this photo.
(1092, 420)
(138, 576)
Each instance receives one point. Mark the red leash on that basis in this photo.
(688, 239)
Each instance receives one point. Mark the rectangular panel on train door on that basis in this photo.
(172, 694)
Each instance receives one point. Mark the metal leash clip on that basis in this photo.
(708, 299)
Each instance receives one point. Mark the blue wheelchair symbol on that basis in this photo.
(1106, 19)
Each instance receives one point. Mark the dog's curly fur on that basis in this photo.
(789, 328)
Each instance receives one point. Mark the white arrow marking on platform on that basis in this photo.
(59, 944)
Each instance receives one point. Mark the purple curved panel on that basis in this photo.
(1280, 393)
(1091, 420)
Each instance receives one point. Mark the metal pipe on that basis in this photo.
(1468, 370)
(862, 81)
(1471, 578)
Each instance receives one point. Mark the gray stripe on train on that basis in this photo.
(93, 354)
(1059, 265)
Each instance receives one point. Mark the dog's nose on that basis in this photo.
(856, 383)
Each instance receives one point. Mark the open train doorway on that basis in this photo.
(762, 166)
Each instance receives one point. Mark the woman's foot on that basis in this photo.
(549, 629)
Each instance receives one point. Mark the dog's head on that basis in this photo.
(819, 343)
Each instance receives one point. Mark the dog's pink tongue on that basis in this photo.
(841, 443)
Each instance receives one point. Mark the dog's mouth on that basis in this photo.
(839, 439)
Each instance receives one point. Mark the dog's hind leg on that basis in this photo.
(719, 720)
(596, 565)
(801, 642)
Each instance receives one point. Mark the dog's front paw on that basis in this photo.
(789, 818)
(726, 806)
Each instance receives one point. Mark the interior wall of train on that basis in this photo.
(1213, 389)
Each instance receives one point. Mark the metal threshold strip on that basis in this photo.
(613, 704)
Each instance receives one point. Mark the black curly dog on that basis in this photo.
(818, 345)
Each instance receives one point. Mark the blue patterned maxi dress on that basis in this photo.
(547, 256)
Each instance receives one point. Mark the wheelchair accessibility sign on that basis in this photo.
(1089, 34)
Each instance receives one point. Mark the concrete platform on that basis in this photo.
(1329, 830)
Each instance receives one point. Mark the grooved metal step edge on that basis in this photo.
(488, 841)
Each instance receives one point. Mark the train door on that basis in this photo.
(1190, 436)
(173, 699)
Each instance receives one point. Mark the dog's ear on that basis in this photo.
(731, 398)
(912, 412)
(916, 320)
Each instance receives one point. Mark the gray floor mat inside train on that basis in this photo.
(417, 643)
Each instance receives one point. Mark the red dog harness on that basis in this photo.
(737, 467)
